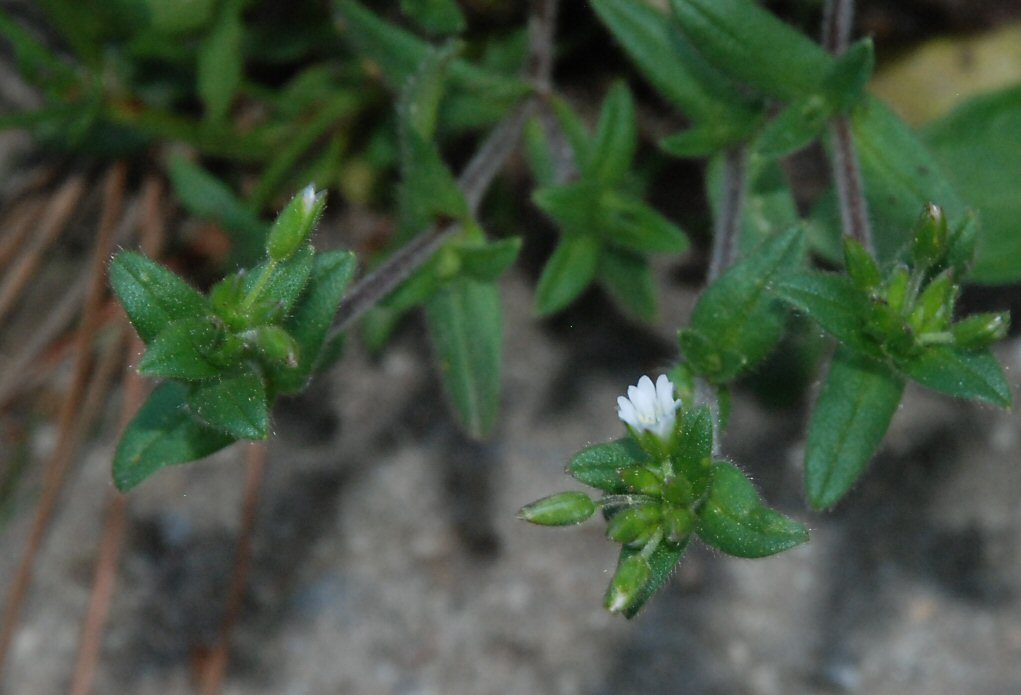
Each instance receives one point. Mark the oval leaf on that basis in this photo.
(961, 373)
(735, 520)
(152, 296)
(599, 465)
(850, 418)
(163, 433)
(235, 404)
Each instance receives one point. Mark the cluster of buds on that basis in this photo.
(654, 484)
(912, 307)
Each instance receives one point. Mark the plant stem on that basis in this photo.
(728, 221)
(854, 214)
(474, 181)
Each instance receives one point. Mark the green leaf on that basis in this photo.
(399, 54)
(207, 197)
(850, 418)
(599, 465)
(964, 374)
(435, 16)
(539, 154)
(466, 325)
(671, 65)
(567, 273)
(221, 62)
(735, 520)
(183, 350)
(235, 404)
(616, 138)
(696, 142)
(850, 75)
(979, 148)
(751, 45)
(663, 561)
(628, 279)
(428, 189)
(488, 261)
(572, 206)
(419, 104)
(834, 302)
(901, 176)
(769, 208)
(152, 296)
(310, 321)
(161, 434)
(737, 321)
(796, 127)
(693, 456)
(574, 130)
(36, 63)
(627, 221)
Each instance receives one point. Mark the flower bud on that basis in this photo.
(981, 330)
(929, 245)
(632, 574)
(897, 288)
(861, 266)
(677, 524)
(641, 480)
(935, 305)
(275, 344)
(678, 490)
(294, 224)
(564, 509)
(634, 525)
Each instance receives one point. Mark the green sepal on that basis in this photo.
(850, 418)
(161, 434)
(466, 325)
(634, 526)
(737, 321)
(678, 523)
(641, 480)
(234, 403)
(980, 330)
(735, 520)
(633, 573)
(184, 350)
(599, 465)
(152, 296)
(930, 237)
(562, 509)
(975, 375)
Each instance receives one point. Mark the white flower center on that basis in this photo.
(650, 407)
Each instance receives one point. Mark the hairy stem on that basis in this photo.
(728, 222)
(854, 214)
(474, 181)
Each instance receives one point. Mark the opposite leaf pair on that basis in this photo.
(660, 486)
(226, 357)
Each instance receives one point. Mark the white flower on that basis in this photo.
(649, 407)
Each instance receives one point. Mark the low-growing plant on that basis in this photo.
(878, 262)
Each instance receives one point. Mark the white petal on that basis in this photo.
(626, 411)
(665, 393)
(643, 396)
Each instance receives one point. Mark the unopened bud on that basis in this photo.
(634, 525)
(641, 480)
(897, 288)
(632, 574)
(981, 330)
(935, 305)
(295, 223)
(861, 266)
(678, 490)
(929, 245)
(563, 509)
(276, 344)
(677, 524)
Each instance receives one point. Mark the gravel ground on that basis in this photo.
(388, 560)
